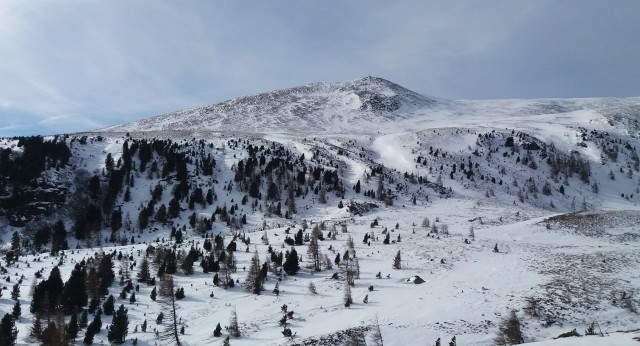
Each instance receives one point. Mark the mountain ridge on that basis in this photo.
(363, 101)
(363, 105)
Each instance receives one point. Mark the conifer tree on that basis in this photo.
(119, 326)
(15, 243)
(8, 331)
(380, 189)
(88, 337)
(144, 273)
(291, 264)
(234, 328)
(54, 286)
(108, 306)
(84, 319)
(17, 310)
(96, 325)
(313, 250)
(15, 292)
(254, 279)
(291, 199)
(36, 327)
(346, 298)
(312, 288)
(160, 318)
(397, 261)
(168, 291)
(143, 218)
(154, 294)
(74, 294)
(72, 327)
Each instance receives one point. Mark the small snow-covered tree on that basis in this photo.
(509, 331)
(312, 288)
(254, 279)
(313, 251)
(376, 334)
(397, 261)
(346, 298)
(234, 328)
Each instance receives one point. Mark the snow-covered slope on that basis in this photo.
(371, 105)
(316, 107)
(499, 205)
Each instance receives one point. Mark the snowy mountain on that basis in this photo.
(499, 206)
(338, 106)
(370, 105)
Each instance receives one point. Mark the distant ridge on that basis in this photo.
(313, 107)
(370, 105)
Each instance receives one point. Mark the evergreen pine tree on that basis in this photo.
(36, 327)
(15, 292)
(218, 331)
(96, 325)
(346, 298)
(8, 331)
(312, 288)
(74, 294)
(108, 307)
(234, 329)
(119, 326)
(160, 318)
(88, 337)
(397, 261)
(15, 243)
(313, 250)
(144, 273)
(253, 282)
(17, 310)
(72, 327)
(291, 264)
(84, 319)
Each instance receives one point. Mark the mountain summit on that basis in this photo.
(362, 103)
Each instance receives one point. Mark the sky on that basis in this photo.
(80, 65)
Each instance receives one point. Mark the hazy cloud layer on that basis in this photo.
(81, 65)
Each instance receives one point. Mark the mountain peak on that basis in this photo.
(363, 103)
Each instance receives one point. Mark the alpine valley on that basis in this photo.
(343, 213)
